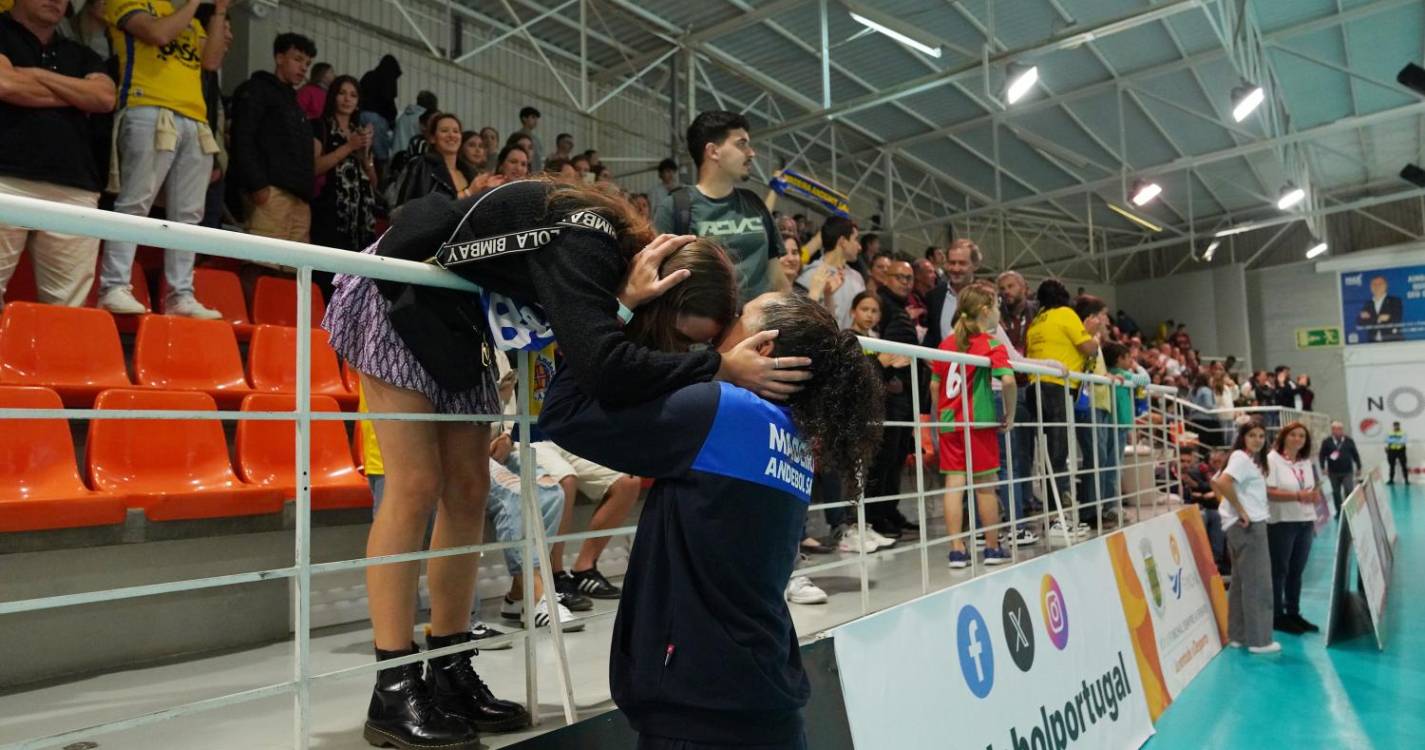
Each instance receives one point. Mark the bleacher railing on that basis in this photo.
(1153, 440)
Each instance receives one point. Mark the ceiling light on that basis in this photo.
(1235, 230)
(1144, 191)
(1291, 195)
(1412, 76)
(1021, 79)
(1211, 249)
(1316, 250)
(896, 29)
(1245, 99)
(1135, 218)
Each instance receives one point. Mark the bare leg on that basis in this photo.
(988, 501)
(517, 587)
(611, 513)
(955, 508)
(414, 481)
(459, 521)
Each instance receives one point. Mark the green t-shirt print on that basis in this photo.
(735, 225)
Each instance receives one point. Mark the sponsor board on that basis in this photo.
(1168, 602)
(1038, 654)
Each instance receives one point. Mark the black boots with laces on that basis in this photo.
(460, 692)
(404, 715)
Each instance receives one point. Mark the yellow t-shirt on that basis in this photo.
(6, 5)
(1056, 334)
(170, 76)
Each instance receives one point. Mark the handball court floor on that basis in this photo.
(1350, 697)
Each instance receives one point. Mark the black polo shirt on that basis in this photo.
(47, 144)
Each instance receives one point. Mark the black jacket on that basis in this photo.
(896, 326)
(1392, 309)
(1340, 457)
(271, 140)
(426, 174)
(574, 278)
(935, 303)
(378, 89)
(704, 649)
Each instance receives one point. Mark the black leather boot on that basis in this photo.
(460, 692)
(403, 714)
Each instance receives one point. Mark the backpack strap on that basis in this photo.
(682, 211)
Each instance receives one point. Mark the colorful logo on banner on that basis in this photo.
(977, 656)
(1018, 629)
(1056, 612)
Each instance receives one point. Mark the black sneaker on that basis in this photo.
(567, 586)
(593, 583)
(480, 632)
(1286, 625)
(1305, 624)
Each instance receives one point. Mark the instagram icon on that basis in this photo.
(1056, 612)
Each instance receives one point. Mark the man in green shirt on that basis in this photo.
(716, 208)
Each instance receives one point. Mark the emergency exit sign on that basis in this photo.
(1315, 338)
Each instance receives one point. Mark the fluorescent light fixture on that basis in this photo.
(894, 29)
(1291, 196)
(1145, 191)
(1211, 249)
(1235, 230)
(1135, 218)
(1021, 80)
(1245, 99)
(1316, 250)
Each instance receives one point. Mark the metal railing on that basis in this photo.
(1150, 440)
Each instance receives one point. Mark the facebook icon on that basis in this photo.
(977, 656)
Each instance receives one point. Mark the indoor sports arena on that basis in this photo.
(761, 374)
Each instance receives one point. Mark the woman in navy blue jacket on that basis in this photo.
(704, 652)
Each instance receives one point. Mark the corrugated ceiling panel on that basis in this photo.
(1379, 46)
(1314, 94)
(1140, 47)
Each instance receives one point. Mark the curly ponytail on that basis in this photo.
(841, 409)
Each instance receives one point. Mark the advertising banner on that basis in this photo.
(1380, 394)
(1036, 657)
(1387, 513)
(1168, 601)
(1369, 563)
(1383, 305)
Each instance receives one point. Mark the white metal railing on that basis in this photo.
(1152, 438)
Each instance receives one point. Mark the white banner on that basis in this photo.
(1369, 557)
(1184, 624)
(1035, 657)
(1379, 394)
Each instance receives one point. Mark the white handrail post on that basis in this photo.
(303, 552)
(919, 451)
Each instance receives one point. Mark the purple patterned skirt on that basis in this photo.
(361, 334)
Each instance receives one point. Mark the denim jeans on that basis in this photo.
(143, 171)
(1216, 538)
(507, 513)
(1047, 401)
(1016, 448)
(1100, 448)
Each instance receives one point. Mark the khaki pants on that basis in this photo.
(283, 217)
(64, 263)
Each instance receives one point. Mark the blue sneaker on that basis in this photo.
(996, 556)
(959, 559)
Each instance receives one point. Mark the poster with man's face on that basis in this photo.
(1383, 306)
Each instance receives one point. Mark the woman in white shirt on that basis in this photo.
(1243, 484)
(1291, 492)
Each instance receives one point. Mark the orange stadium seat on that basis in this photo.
(74, 350)
(266, 454)
(272, 364)
(172, 469)
(183, 354)
(222, 291)
(274, 302)
(39, 480)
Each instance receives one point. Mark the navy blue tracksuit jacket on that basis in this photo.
(703, 646)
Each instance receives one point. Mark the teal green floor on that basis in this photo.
(1351, 696)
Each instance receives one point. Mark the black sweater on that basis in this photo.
(272, 142)
(704, 649)
(575, 278)
(1340, 457)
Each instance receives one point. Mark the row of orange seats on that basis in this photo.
(76, 352)
(274, 298)
(172, 470)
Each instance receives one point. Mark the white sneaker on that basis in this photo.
(802, 591)
(1025, 537)
(853, 542)
(480, 632)
(1270, 648)
(1059, 534)
(980, 539)
(188, 306)
(877, 538)
(514, 610)
(120, 300)
(1083, 530)
(1233, 644)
